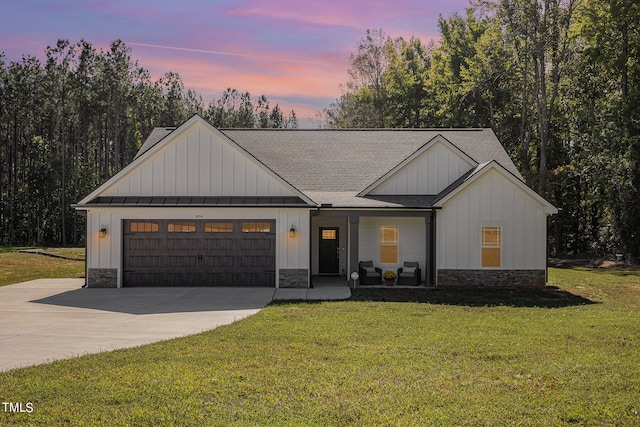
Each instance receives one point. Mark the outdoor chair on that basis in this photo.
(409, 274)
(369, 275)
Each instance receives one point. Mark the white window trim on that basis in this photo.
(502, 246)
(397, 244)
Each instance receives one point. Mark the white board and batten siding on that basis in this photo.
(199, 162)
(291, 253)
(430, 172)
(491, 200)
(196, 161)
(411, 241)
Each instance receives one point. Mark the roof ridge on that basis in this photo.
(357, 129)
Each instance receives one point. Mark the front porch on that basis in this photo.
(340, 239)
(327, 289)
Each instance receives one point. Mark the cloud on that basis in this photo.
(296, 53)
(355, 13)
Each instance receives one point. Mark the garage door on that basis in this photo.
(199, 253)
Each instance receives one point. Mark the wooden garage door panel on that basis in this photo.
(256, 244)
(181, 261)
(161, 258)
(219, 244)
(182, 244)
(144, 262)
(148, 244)
(212, 262)
(255, 262)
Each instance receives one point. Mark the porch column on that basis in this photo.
(354, 222)
(427, 252)
(430, 240)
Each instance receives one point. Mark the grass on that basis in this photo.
(16, 267)
(567, 356)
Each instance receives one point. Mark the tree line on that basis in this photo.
(70, 122)
(557, 80)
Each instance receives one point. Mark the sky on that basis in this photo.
(296, 52)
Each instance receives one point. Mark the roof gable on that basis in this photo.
(196, 160)
(428, 170)
(485, 170)
(350, 160)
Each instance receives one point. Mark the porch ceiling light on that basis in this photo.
(292, 231)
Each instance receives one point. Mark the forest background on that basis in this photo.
(557, 80)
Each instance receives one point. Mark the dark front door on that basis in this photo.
(329, 251)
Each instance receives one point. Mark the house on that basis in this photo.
(199, 206)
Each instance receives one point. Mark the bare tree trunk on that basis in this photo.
(522, 136)
(63, 183)
(543, 114)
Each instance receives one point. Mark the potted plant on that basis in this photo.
(389, 277)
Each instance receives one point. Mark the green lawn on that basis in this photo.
(16, 267)
(567, 356)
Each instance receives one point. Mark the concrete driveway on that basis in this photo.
(49, 319)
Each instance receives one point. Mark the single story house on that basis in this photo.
(200, 206)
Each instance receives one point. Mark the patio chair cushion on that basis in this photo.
(408, 271)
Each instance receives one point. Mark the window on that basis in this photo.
(491, 247)
(389, 244)
(143, 227)
(218, 227)
(181, 227)
(256, 227)
(329, 235)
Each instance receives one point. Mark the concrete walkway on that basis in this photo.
(49, 319)
(320, 292)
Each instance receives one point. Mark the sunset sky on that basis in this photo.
(294, 52)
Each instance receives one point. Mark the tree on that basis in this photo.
(59, 73)
(368, 67)
(69, 124)
(365, 98)
(609, 134)
(406, 80)
(542, 25)
(239, 110)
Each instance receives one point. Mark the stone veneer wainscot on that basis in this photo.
(294, 278)
(494, 278)
(102, 278)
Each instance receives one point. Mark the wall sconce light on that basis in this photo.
(103, 232)
(292, 231)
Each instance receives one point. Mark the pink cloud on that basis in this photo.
(297, 53)
(277, 80)
(408, 18)
(357, 14)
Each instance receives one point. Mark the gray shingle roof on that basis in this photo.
(332, 166)
(350, 160)
(154, 137)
